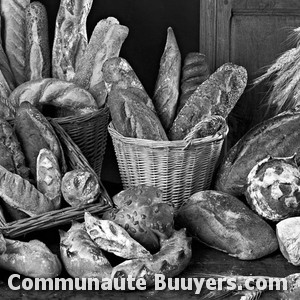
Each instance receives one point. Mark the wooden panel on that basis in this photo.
(252, 33)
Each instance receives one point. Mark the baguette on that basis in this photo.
(31, 259)
(54, 97)
(131, 117)
(34, 132)
(37, 56)
(167, 84)
(49, 176)
(23, 196)
(106, 42)
(70, 38)
(215, 96)
(13, 13)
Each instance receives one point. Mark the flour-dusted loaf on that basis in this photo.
(31, 259)
(223, 222)
(13, 13)
(166, 90)
(195, 70)
(34, 133)
(118, 73)
(48, 175)
(215, 96)
(54, 97)
(106, 41)
(23, 197)
(37, 55)
(132, 117)
(70, 38)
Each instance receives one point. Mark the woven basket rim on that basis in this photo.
(182, 144)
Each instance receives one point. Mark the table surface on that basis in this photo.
(204, 261)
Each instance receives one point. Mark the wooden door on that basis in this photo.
(251, 33)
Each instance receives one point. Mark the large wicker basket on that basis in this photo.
(89, 132)
(74, 160)
(178, 168)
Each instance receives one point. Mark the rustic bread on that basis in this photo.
(37, 55)
(223, 222)
(89, 74)
(13, 13)
(215, 96)
(80, 187)
(131, 117)
(54, 97)
(195, 71)
(31, 259)
(167, 84)
(11, 154)
(49, 176)
(118, 73)
(87, 261)
(34, 133)
(70, 38)
(23, 196)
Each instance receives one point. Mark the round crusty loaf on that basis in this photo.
(54, 97)
(79, 187)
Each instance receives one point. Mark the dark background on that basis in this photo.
(147, 21)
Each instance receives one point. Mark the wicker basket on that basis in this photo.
(74, 159)
(178, 168)
(89, 132)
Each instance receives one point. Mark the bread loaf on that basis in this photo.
(49, 176)
(118, 73)
(23, 196)
(13, 13)
(11, 154)
(223, 222)
(195, 71)
(70, 38)
(54, 97)
(31, 259)
(106, 42)
(80, 187)
(37, 55)
(215, 96)
(81, 257)
(111, 237)
(34, 132)
(131, 117)
(167, 84)
(278, 136)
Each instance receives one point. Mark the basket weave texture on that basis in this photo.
(177, 168)
(89, 132)
(74, 160)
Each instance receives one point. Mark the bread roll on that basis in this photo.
(215, 96)
(31, 259)
(80, 187)
(70, 39)
(34, 132)
(106, 42)
(118, 73)
(37, 56)
(23, 196)
(131, 117)
(49, 176)
(167, 84)
(13, 13)
(195, 71)
(54, 97)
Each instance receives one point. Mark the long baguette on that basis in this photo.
(70, 40)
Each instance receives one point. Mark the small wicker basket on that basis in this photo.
(74, 160)
(89, 132)
(178, 168)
